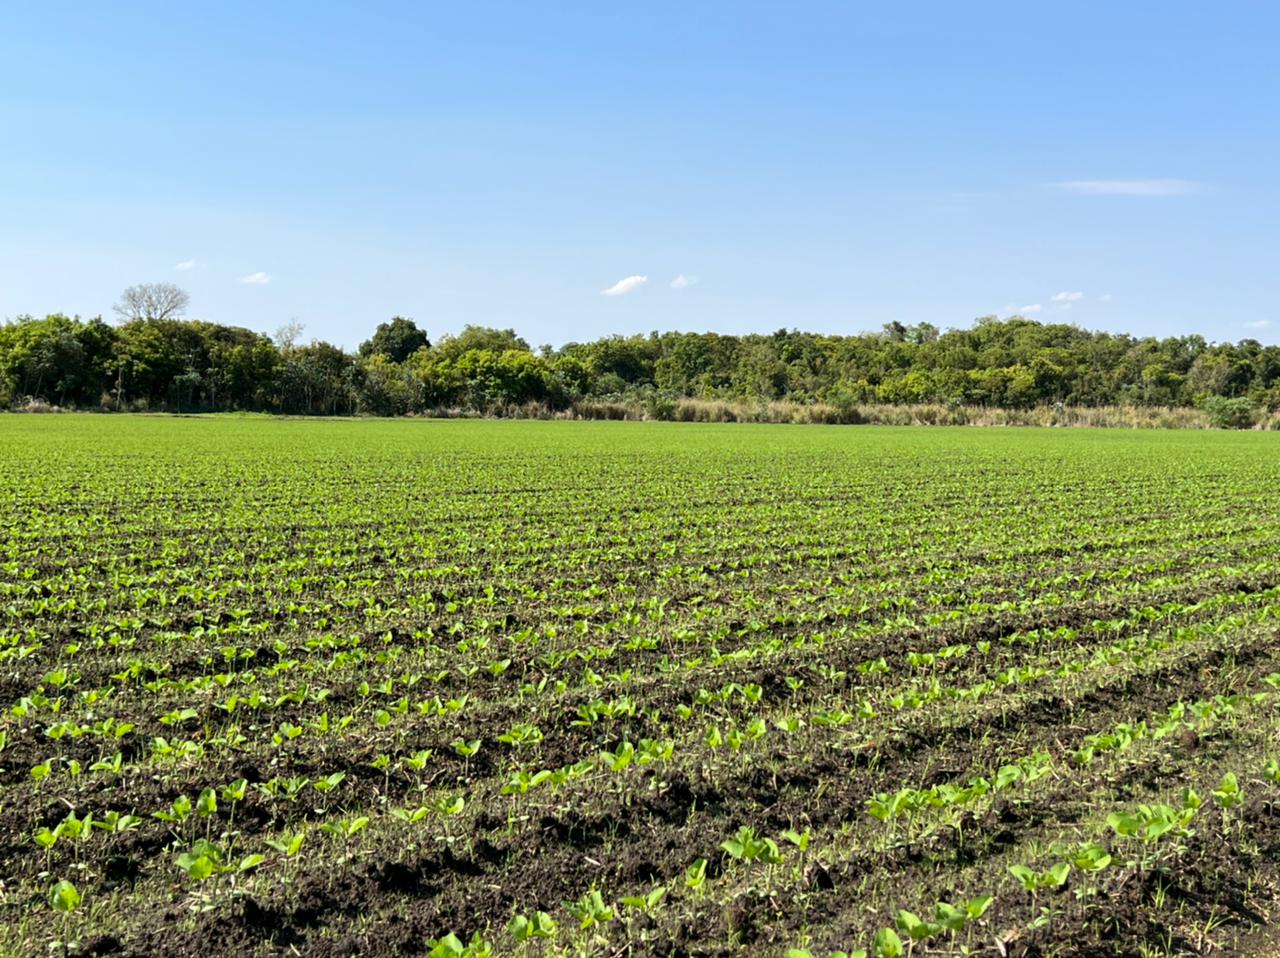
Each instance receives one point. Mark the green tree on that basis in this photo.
(397, 340)
(479, 338)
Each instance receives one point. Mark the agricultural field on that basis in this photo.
(468, 688)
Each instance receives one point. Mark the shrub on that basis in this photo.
(1227, 413)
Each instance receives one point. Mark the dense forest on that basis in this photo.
(174, 364)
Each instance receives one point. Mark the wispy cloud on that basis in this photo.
(256, 279)
(1257, 324)
(1104, 298)
(1130, 187)
(1030, 310)
(682, 281)
(624, 286)
(186, 264)
(1067, 297)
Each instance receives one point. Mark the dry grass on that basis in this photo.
(929, 414)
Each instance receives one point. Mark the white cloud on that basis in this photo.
(256, 279)
(1067, 297)
(1104, 298)
(1130, 187)
(1257, 324)
(624, 286)
(185, 265)
(682, 281)
(1030, 310)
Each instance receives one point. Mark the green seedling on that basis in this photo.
(346, 828)
(540, 925)
(1091, 857)
(1228, 794)
(179, 716)
(914, 928)
(522, 781)
(418, 760)
(521, 734)
(116, 823)
(205, 860)
(207, 803)
(179, 811)
(289, 844)
(451, 946)
(799, 839)
(1033, 881)
(955, 919)
(451, 806)
(695, 875)
(64, 897)
(746, 846)
(1151, 823)
(887, 944)
(620, 758)
(590, 910)
(329, 782)
(411, 816)
(647, 904)
(113, 765)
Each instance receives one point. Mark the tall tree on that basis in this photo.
(397, 340)
(148, 301)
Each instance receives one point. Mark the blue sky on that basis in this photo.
(827, 166)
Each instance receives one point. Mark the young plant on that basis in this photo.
(887, 944)
(1228, 794)
(914, 927)
(1032, 881)
(288, 844)
(746, 846)
(695, 876)
(590, 910)
(540, 925)
(647, 904)
(64, 898)
(620, 758)
(451, 946)
(205, 859)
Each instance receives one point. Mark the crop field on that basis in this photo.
(462, 688)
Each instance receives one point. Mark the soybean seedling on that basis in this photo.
(64, 898)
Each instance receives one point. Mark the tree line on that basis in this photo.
(155, 360)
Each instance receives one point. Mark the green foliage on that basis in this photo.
(167, 363)
(331, 598)
(1231, 413)
(887, 944)
(590, 910)
(64, 896)
(646, 903)
(916, 930)
(1152, 823)
(1033, 881)
(1091, 857)
(540, 925)
(1228, 794)
(289, 844)
(696, 874)
(397, 340)
(747, 846)
(451, 946)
